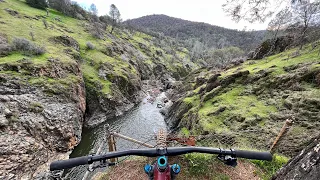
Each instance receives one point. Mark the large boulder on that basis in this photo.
(67, 41)
(271, 46)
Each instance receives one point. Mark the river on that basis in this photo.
(140, 123)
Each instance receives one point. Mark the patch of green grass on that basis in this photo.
(99, 57)
(12, 73)
(36, 107)
(269, 168)
(55, 86)
(12, 58)
(184, 132)
(91, 74)
(16, 56)
(236, 104)
(198, 88)
(181, 54)
(198, 163)
(192, 100)
(149, 61)
(279, 60)
(21, 27)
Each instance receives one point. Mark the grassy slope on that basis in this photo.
(237, 97)
(245, 109)
(20, 26)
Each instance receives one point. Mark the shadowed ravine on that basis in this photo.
(140, 123)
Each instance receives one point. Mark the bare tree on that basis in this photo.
(305, 15)
(280, 22)
(249, 10)
(115, 15)
(197, 50)
(254, 10)
(93, 9)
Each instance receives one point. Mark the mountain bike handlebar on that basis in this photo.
(170, 151)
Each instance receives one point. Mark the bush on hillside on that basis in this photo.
(60, 5)
(40, 4)
(223, 57)
(27, 47)
(5, 48)
(105, 19)
(97, 29)
(78, 12)
(71, 8)
(90, 45)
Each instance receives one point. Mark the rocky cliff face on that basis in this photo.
(38, 121)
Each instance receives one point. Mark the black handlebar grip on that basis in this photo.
(254, 155)
(65, 164)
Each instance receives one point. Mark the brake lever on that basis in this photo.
(102, 164)
(228, 160)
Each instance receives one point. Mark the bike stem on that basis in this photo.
(161, 170)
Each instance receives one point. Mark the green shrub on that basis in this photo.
(40, 4)
(5, 48)
(271, 167)
(36, 107)
(198, 163)
(90, 45)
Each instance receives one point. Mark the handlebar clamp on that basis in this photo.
(228, 160)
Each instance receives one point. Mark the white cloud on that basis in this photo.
(208, 11)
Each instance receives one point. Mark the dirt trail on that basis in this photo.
(133, 169)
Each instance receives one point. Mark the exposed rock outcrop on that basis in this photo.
(38, 121)
(271, 46)
(306, 165)
(176, 112)
(67, 41)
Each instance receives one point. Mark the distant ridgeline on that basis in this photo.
(190, 32)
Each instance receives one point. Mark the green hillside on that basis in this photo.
(30, 20)
(250, 102)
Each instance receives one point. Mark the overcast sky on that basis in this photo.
(208, 11)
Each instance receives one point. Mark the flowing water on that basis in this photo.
(140, 123)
